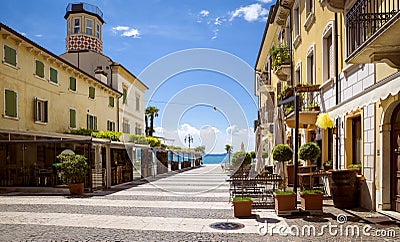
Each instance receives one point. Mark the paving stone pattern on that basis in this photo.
(170, 207)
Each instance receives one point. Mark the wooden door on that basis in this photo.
(395, 160)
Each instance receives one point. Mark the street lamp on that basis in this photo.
(189, 139)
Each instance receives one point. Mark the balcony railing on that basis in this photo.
(366, 18)
(76, 7)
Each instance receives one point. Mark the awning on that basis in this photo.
(307, 120)
(379, 91)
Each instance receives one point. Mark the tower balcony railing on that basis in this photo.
(372, 27)
(72, 7)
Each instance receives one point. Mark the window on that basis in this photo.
(10, 55)
(39, 68)
(53, 75)
(310, 67)
(72, 118)
(10, 103)
(328, 53)
(138, 129)
(296, 20)
(72, 83)
(77, 26)
(41, 110)
(137, 103)
(98, 31)
(89, 27)
(126, 127)
(297, 76)
(68, 27)
(91, 92)
(91, 122)
(124, 95)
(356, 140)
(309, 7)
(111, 101)
(110, 125)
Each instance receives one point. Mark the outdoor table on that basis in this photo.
(306, 180)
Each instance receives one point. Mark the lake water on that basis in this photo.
(215, 158)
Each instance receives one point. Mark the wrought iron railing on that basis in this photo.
(86, 7)
(366, 18)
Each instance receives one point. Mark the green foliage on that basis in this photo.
(228, 148)
(280, 55)
(282, 153)
(284, 192)
(264, 154)
(355, 166)
(252, 154)
(171, 147)
(200, 149)
(81, 131)
(328, 163)
(236, 199)
(314, 191)
(309, 151)
(74, 167)
(138, 139)
(153, 142)
(112, 135)
(241, 159)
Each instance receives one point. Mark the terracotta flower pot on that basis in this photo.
(285, 203)
(311, 201)
(242, 208)
(76, 188)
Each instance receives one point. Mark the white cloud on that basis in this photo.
(266, 1)
(132, 33)
(38, 35)
(250, 13)
(204, 13)
(120, 28)
(218, 21)
(127, 31)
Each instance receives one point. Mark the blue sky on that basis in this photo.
(145, 34)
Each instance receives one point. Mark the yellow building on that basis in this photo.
(45, 97)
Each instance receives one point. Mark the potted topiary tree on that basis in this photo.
(285, 201)
(241, 204)
(74, 168)
(309, 151)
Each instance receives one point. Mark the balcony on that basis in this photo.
(281, 61)
(334, 5)
(282, 11)
(372, 27)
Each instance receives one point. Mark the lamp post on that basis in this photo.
(189, 139)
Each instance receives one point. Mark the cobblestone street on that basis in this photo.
(178, 207)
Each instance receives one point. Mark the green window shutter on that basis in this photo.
(94, 123)
(91, 92)
(11, 103)
(72, 83)
(87, 121)
(53, 75)
(72, 118)
(46, 113)
(108, 125)
(124, 91)
(35, 109)
(10, 56)
(39, 69)
(111, 101)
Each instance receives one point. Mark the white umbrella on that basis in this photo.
(280, 137)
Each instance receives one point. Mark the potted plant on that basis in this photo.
(311, 201)
(282, 153)
(74, 168)
(356, 167)
(285, 202)
(279, 55)
(328, 165)
(241, 204)
(309, 151)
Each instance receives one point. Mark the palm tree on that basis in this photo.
(229, 149)
(150, 113)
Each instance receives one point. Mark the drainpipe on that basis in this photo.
(296, 101)
(337, 139)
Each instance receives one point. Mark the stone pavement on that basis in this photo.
(179, 207)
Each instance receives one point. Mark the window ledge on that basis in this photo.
(309, 21)
(53, 83)
(92, 99)
(38, 77)
(9, 117)
(40, 122)
(74, 91)
(327, 83)
(72, 128)
(297, 41)
(9, 65)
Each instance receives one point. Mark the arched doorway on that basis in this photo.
(395, 160)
